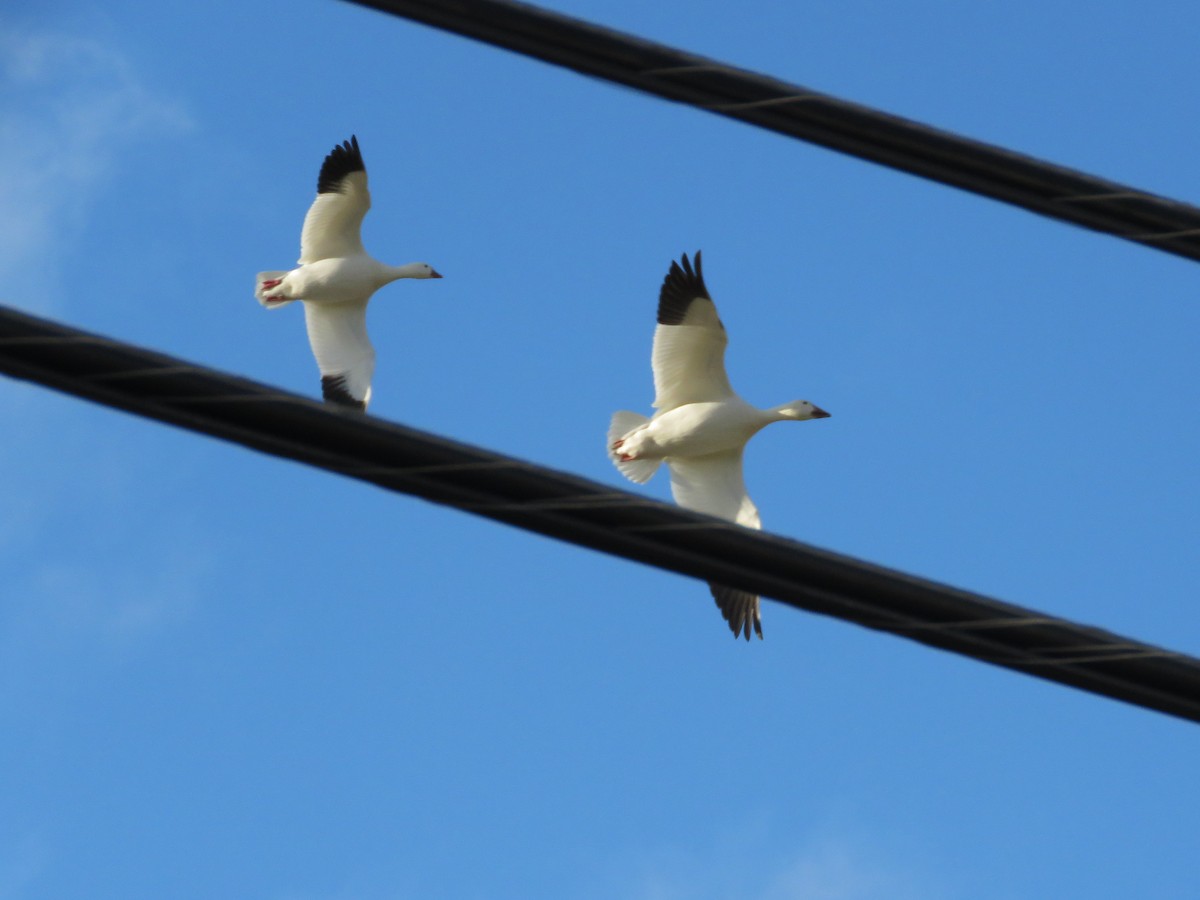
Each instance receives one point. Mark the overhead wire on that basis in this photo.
(799, 112)
(574, 509)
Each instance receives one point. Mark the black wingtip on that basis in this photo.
(739, 609)
(333, 389)
(682, 285)
(341, 161)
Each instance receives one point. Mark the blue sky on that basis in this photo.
(223, 675)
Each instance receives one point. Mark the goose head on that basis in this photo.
(412, 270)
(423, 270)
(800, 410)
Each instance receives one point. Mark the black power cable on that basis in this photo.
(594, 515)
(798, 112)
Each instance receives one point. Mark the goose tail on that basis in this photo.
(263, 294)
(623, 424)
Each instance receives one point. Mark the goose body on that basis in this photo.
(695, 429)
(701, 427)
(336, 278)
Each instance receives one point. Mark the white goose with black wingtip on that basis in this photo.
(336, 278)
(701, 427)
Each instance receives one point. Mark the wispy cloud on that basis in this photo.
(118, 605)
(69, 105)
(87, 608)
(831, 867)
(834, 869)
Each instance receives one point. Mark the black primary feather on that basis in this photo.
(333, 389)
(342, 160)
(681, 286)
(740, 609)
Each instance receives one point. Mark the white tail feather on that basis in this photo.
(260, 293)
(636, 470)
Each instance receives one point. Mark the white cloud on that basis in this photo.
(118, 605)
(83, 609)
(834, 867)
(68, 106)
(834, 870)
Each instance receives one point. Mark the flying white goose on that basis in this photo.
(336, 278)
(702, 426)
